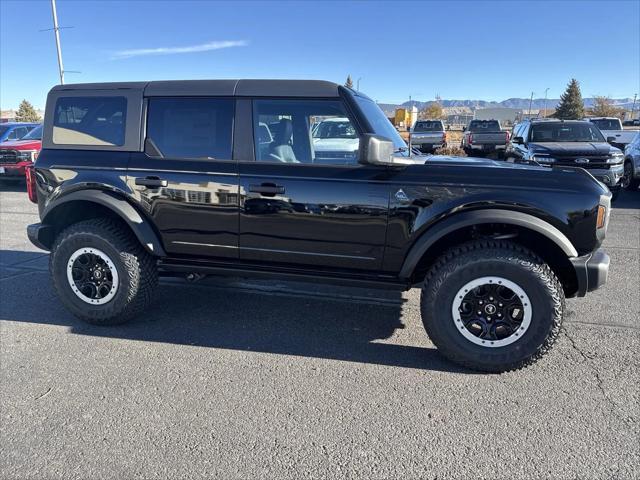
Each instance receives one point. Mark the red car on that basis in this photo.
(16, 155)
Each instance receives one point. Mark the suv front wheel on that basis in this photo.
(101, 272)
(492, 305)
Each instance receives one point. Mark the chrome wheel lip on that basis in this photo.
(112, 269)
(515, 288)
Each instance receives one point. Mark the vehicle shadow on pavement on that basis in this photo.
(231, 317)
(628, 200)
(13, 186)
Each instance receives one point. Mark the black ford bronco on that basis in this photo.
(226, 177)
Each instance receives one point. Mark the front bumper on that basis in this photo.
(609, 176)
(592, 271)
(13, 169)
(40, 235)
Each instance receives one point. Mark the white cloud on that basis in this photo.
(205, 47)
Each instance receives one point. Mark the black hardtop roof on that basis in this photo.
(239, 88)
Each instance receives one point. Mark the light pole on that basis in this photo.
(530, 102)
(633, 108)
(358, 83)
(545, 102)
(56, 31)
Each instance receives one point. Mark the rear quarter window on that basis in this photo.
(90, 121)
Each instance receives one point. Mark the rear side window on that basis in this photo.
(198, 128)
(90, 121)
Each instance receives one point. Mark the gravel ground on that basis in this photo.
(240, 379)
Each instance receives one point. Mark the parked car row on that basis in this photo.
(600, 145)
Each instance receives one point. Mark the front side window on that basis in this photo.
(199, 128)
(91, 121)
(304, 131)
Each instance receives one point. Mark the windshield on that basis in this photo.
(379, 122)
(565, 132)
(3, 130)
(335, 129)
(428, 127)
(484, 126)
(35, 134)
(607, 124)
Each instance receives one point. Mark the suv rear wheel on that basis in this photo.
(101, 272)
(492, 306)
(628, 182)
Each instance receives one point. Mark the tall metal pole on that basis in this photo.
(358, 83)
(633, 108)
(530, 101)
(545, 102)
(56, 31)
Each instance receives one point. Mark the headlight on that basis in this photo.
(616, 157)
(541, 158)
(27, 154)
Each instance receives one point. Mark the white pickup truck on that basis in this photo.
(611, 128)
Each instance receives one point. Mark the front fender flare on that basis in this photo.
(478, 217)
(138, 224)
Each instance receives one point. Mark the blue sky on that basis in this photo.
(457, 49)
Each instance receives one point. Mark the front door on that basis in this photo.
(185, 180)
(305, 200)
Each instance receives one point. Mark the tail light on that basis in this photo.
(470, 138)
(508, 136)
(31, 183)
(444, 136)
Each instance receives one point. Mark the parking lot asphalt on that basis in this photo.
(244, 379)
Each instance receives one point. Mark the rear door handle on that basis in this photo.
(267, 189)
(151, 182)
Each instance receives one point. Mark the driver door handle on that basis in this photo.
(151, 182)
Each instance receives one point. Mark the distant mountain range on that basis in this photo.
(520, 103)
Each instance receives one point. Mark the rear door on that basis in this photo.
(186, 179)
(305, 200)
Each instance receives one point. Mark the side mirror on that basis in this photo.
(611, 139)
(464, 129)
(375, 150)
(518, 140)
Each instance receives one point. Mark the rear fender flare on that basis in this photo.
(140, 226)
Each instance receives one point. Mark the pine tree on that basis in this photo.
(26, 113)
(571, 106)
(349, 82)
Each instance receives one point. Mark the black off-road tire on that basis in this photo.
(508, 260)
(629, 183)
(137, 270)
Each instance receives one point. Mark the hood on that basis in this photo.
(572, 148)
(476, 162)
(21, 145)
(336, 144)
